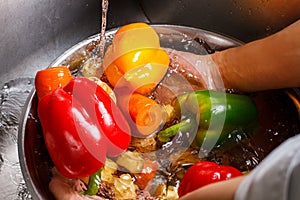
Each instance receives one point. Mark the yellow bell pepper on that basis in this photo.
(135, 58)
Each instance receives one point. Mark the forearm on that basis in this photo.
(269, 63)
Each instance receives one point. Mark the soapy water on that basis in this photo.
(13, 95)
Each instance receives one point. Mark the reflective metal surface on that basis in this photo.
(34, 33)
(245, 20)
(34, 158)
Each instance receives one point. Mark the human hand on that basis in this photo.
(221, 190)
(200, 68)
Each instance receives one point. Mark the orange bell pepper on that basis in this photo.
(49, 79)
(136, 59)
(146, 113)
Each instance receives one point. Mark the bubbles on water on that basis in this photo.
(12, 98)
(182, 42)
(188, 44)
(22, 192)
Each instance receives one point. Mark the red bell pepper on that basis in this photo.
(81, 125)
(101, 107)
(203, 173)
(65, 123)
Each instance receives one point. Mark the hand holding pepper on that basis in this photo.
(203, 173)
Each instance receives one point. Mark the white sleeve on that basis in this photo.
(277, 177)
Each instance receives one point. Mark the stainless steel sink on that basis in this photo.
(33, 33)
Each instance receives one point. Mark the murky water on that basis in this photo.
(12, 98)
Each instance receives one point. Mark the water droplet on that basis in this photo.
(186, 47)
(5, 86)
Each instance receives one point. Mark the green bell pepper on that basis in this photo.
(219, 116)
(217, 108)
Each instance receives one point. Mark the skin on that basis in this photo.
(222, 190)
(269, 63)
(68, 189)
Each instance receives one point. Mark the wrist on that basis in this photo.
(220, 64)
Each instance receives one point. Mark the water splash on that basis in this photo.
(13, 95)
(93, 65)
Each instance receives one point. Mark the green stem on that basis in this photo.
(168, 133)
(94, 182)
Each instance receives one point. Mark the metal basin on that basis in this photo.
(35, 161)
(34, 158)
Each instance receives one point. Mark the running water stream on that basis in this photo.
(102, 39)
(93, 65)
